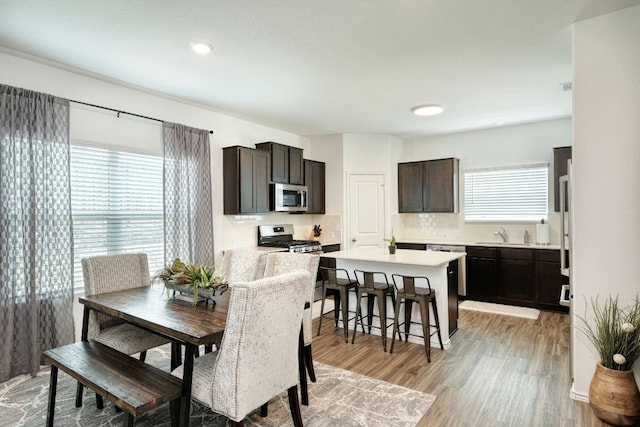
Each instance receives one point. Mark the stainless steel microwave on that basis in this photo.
(288, 198)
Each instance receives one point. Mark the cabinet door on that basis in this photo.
(280, 163)
(560, 157)
(314, 179)
(482, 278)
(261, 182)
(296, 166)
(410, 183)
(440, 185)
(247, 182)
(516, 280)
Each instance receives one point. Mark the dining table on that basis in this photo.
(154, 309)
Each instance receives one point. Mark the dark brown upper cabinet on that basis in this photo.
(428, 186)
(286, 163)
(246, 174)
(314, 179)
(560, 157)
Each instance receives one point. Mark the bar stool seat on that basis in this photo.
(416, 289)
(340, 286)
(374, 285)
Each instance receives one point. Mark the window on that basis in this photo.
(506, 194)
(117, 205)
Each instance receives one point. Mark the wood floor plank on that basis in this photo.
(500, 371)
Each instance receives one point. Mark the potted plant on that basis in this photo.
(192, 279)
(615, 333)
(392, 244)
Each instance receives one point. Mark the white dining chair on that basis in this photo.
(258, 356)
(242, 265)
(113, 273)
(283, 262)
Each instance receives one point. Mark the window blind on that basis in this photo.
(117, 206)
(506, 194)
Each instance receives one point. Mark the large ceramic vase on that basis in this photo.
(614, 396)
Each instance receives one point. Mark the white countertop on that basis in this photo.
(497, 244)
(402, 256)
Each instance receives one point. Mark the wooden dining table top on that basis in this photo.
(152, 308)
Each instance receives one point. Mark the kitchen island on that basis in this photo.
(439, 267)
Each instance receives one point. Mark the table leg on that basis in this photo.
(53, 382)
(85, 337)
(187, 377)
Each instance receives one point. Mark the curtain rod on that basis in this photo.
(121, 112)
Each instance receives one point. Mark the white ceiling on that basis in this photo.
(316, 67)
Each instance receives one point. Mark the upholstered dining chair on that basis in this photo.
(283, 262)
(242, 265)
(112, 273)
(258, 356)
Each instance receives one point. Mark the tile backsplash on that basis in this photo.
(453, 228)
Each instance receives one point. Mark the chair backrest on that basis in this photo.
(243, 265)
(112, 273)
(368, 279)
(408, 284)
(330, 274)
(284, 262)
(258, 358)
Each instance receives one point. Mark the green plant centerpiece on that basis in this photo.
(392, 244)
(180, 276)
(615, 333)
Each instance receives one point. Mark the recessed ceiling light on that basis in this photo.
(201, 48)
(427, 110)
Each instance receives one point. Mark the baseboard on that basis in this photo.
(581, 397)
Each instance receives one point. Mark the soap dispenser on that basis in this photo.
(526, 236)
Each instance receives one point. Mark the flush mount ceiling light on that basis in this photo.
(201, 48)
(427, 110)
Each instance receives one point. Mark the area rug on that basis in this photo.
(338, 398)
(508, 310)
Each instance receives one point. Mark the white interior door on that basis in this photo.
(366, 210)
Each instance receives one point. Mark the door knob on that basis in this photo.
(353, 240)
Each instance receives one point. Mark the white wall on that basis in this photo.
(606, 157)
(501, 146)
(229, 231)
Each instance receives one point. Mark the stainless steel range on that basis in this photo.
(281, 236)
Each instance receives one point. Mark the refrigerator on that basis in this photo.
(566, 234)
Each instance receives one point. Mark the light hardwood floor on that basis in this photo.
(500, 370)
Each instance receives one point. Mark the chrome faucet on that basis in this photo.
(503, 234)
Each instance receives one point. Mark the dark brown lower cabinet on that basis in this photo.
(452, 285)
(517, 276)
(482, 273)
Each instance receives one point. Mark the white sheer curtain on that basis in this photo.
(188, 221)
(36, 243)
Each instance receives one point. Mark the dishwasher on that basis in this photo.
(462, 268)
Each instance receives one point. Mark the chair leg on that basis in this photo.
(53, 383)
(358, 311)
(393, 304)
(424, 318)
(294, 406)
(264, 410)
(324, 296)
(308, 361)
(143, 355)
(437, 321)
(237, 423)
(382, 311)
(343, 298)
(396, 325)
(99, 401)
(302, 371)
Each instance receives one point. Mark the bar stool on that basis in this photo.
(340, 287)
(418, 289)
(372, 289)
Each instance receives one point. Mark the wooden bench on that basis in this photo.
(130, 384)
